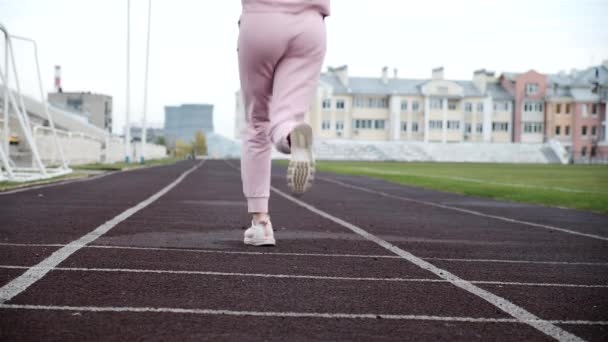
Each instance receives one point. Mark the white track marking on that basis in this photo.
(35, 273)
(503, 304)
(72, 181)
(566, 263)
(230, 274)
(283, 314)
(330, 255)
(467, 211)
(296, 276)
(474, 180)
(52, 184)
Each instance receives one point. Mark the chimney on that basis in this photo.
(385, 75)
(438, 73)
(480, 79)
(341, 72)
(58, 88)
(396, 73)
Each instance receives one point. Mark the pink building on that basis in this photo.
(576, 112)
(528, 90)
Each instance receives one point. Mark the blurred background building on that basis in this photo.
(153, 135)
(558, 117)
(182, 122)
(96, 108)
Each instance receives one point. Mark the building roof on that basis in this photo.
(579, 85)
(498, 92)
(400, 86)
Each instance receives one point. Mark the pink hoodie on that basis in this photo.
(288, 6)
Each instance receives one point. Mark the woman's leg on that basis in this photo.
(296, 76)
(296, 80)
(260, 47)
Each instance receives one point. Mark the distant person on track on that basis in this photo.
(281, 48)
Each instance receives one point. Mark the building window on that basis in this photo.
(435, 124)
(533, 106)
(584, 130)
(593, 151)
(453, 125)
(404, 126)
(414, 127)
(340, 104)
(468, 128)
(500, 126)
(452, 104)
(363, 124)
(479, 107)
(436, 103)
(479, 128)
(501, 106)
(415, 106)
(326, 125)
(557, 130)
(327, 104)
(567, 108)
(531, 88)
(594, 109)
(468, 107)
(584, 151)
(75, 103)
(584, 110)
(404, 106)
(593, 131)
(379, 124)
(558, 108)
(533, 127)
(359, 102)
(567, 130)
(339, 125)
(384, 102)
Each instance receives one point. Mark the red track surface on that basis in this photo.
(177, 269)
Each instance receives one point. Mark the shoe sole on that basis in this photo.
(301, 169)
(260, 243)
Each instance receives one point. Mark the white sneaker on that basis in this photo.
(301, 169)
(260, 234)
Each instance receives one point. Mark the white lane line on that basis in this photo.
(53, 184)
(297, 276)
(72, 181)
(330, 255)
(287, 314)
(230, 274)
(34, 274)
(467, 211)
(503, 304)
(574, 263)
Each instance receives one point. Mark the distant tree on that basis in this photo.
(161, 141)
(182, 149)
(200, 144)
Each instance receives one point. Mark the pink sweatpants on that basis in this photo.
(280, 59)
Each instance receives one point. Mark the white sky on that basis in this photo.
(193, 44)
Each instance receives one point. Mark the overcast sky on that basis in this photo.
(193, 44)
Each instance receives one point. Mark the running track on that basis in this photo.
(156, 254)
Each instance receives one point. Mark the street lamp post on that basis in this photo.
(128, 99)
(144, 130)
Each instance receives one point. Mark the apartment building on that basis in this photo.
(576, 111)
(95, 108)
(399, 109)
(527, 107)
